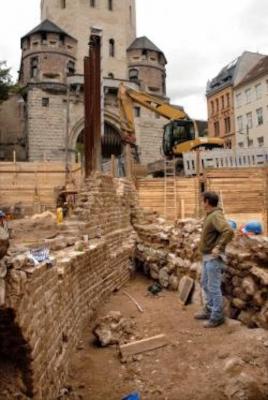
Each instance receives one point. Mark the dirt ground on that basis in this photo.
(191, 367)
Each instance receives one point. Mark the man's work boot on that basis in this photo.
(202, 315)
(214, 323)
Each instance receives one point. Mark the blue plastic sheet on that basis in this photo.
(132, 396)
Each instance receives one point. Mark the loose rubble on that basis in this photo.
(169, 252)
(114, 329)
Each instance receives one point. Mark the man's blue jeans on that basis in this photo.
(211, 284)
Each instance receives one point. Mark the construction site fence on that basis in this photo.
(243, 194)
(34, 186)
(196, 162)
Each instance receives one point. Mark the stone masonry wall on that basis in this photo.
(44, 307)
(46, 126)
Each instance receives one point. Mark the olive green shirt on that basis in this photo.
(216, 232)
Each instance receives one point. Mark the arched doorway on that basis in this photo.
(111, 142)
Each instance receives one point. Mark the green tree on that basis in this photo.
(5, 81)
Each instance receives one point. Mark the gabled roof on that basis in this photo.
(46, 27)
(256, 72)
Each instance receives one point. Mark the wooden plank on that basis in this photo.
(142, 346)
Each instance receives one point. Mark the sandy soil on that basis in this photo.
(191, 367)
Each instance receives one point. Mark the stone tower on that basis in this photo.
(48, 58)
(117, 19)
(147, 65)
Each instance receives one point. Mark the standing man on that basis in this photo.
(216, 234)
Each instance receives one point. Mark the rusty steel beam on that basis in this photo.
(88, 139)
(92, 70)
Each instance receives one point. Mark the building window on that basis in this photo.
(163, 83)
(212, 107)
(137, 112)
(222, 102)
(259, 113)
(111, 75)
(111, 48)
(110, 5)
(71, 67)
(34, 67)
(63, 3)
(238, 99)
(43, 37)
(216, 128)
(45, 101)
(240, 124)
(241, 144)
(228, 99)
(217, 105)
(248, 96)
(250, 142)
(92, 3)
(260, 141)
(258, 91)
(62, 38)
(133, 74)
(130, 14)
(249, 120)
(227, 125)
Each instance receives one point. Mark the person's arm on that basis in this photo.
(225, 231)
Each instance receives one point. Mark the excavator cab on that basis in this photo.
(177, 132)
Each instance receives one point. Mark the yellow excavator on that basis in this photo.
(180, 134)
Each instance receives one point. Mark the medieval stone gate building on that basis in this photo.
(49, 110)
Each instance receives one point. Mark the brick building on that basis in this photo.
(51, 76)
(220, 97)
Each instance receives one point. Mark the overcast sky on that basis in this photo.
(198, 38)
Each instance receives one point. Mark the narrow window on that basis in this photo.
(260, 141)
(222, 102)
(212, 107)
(216, 128)
(248, 95)
(62, 38)
(259, 113)
(130, 14)
(144, 53)
(249, 120)
(43, 37)
(217, 105)
(34, 67)
(63, 3)
(239, 99)
(133, 74)
(240, 124)
(228, 99)
(45, 101)
(137, 112)
(110, 5)
(71, 67)
(92, 3)
(111, 48)
(258, 90)
(163, 83)
(227, 124)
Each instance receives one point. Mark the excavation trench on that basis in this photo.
(47, 307)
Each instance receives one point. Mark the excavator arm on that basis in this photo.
(127, 97)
